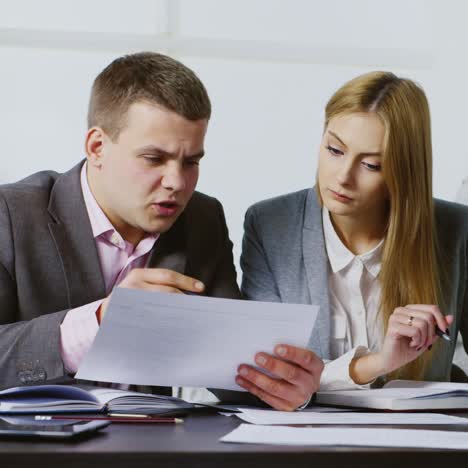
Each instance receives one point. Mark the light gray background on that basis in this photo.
(269, 66)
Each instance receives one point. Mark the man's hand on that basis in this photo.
(296, 378)
(156, 279)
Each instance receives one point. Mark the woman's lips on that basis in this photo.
(340, 197)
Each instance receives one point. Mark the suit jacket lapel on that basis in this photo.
(73, 237)
(169, 250)
(316, 266)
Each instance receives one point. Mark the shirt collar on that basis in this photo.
(340, 256)
(100, 223)
(372, 260)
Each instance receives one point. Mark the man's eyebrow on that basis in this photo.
(196, 156)
(152, 149)
(376, 153)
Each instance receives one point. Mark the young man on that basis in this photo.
(127, 216)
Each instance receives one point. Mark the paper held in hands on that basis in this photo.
(151, 338)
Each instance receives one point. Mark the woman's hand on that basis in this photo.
(411, 331)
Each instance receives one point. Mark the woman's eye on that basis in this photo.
(334, 151)
(372, 167)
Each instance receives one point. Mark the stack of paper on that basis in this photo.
(266, 428)
(414, 438)
(399, 395)
(272, 417)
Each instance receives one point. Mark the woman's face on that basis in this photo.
(350, 172)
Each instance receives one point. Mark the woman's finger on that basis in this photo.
(404, 312)
(439, 318)
(396, 329)
(426, 328)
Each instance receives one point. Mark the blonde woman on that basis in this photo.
(385, 261)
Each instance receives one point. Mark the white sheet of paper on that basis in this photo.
(314, 409)
(389, 393)
(256, 416)
(151, 338)
(375, 437)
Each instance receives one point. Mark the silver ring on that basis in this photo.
(410, 320)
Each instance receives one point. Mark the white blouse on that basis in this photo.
(354, 294)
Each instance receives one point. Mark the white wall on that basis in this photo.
(269, 66)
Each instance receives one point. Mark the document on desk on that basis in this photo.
(357, 437)
(151, 338)
(272, 417)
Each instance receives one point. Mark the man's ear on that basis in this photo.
(94, 146)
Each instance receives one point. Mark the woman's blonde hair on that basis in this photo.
(410, 272)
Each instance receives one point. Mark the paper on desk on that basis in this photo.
(283, 435)
(315, 409)
(151, 338)
(258, 416)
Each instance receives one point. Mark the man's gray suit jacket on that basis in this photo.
(284, 260)
(49, 264)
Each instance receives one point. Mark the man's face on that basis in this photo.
(145, 178)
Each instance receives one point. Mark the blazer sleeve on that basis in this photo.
(224, 283)
(29, 349)
(459, 372)
(258, 281)
(463, 327)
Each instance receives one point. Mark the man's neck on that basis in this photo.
(128, 233)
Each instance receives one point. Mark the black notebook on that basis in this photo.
(50, 399)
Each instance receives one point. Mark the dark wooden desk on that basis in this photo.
(195, 444)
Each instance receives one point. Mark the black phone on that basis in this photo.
(29, 427)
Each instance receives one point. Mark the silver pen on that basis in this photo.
(445, 335)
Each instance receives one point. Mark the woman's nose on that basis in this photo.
(345, 174)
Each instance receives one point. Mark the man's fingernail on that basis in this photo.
(199, 285)
(281, 351)
(241, 382)
(260, 360)
(243, 371)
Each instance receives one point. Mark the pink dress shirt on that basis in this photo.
(117, 258)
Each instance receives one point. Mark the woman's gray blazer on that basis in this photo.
(284, 260)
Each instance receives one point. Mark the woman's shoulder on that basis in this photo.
(290, 204)
(282, 219)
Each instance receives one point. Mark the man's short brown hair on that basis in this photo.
(150, 77)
